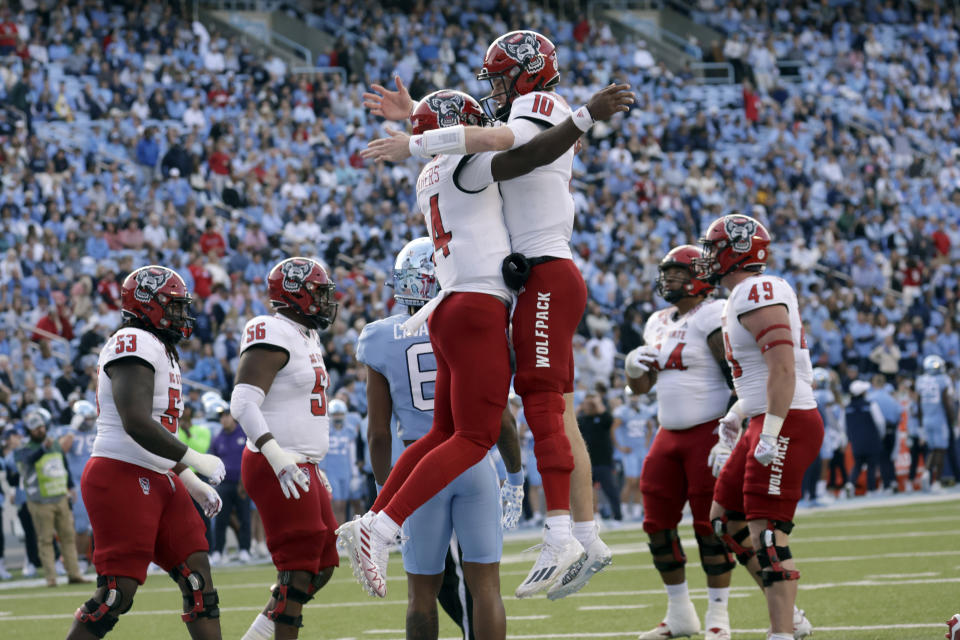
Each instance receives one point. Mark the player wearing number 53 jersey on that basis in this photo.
(140, 511)
(280, 401)
(768, 357)
(683, 356)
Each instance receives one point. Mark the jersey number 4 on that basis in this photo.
(675, 361)
(441, 238)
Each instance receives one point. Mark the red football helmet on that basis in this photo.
(158, 297)
(525, 61)
(730, 244)
(303, 286)
(446, 108)
(685, 256)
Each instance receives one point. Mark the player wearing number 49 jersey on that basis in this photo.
(140, 511)
(280, 401)
(760, 484)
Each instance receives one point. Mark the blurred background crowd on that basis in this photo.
(133, 133)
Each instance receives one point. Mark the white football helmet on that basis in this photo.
(934, 364)
(414, 277)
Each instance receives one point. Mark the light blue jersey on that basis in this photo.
(340, 463)
(410, 368)
(930, 389)
(632, 433)
(77, 457)
(470, 505)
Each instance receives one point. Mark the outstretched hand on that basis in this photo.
(392, 105)
(610, 100)
(395, 148)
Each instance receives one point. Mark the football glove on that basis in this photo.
(718, 457)
(206, 465)
(285, 466)
(730, 426)
(641, 360)
(766, 449)
(324, 480)
(205, 495)
(512, 497)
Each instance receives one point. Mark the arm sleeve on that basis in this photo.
(525, 130)
(474, 172)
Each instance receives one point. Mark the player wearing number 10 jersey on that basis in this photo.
(280, 401)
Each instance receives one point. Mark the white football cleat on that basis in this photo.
(554, 563)
(716, 624)
(681, 621)
(368, 554)
(953, 627)
(598, 558)
(801, 626)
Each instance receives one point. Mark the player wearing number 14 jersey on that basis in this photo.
(684, 357)
(280, 401)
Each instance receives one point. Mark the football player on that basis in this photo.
(760, 483)
(341, 459)
(937, 412)
(523, 71)
(280, 401)
(139, 510)
(683, 356)
(401, 379)
(77, 444)
(453, 189)
(546, 316)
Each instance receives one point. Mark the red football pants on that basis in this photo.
(546, 317)
(468, 332)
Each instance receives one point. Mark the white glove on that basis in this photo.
(641, 360)
(324, 480)
(205, 495)
(766, 449)
(718, 457)
(730, 426)
(285, 466)
(206, 465)
(512, 497)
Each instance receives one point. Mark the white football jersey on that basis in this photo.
(295, 408)
(691, 388)
(112, 441)
(538, 206)
(466, 224)
(743, 353)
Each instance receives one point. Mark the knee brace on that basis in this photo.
(770, 555)
(671, 546)
(734, 542)
(196, 603)
(284, 591)
(712, 546)
(93, 613)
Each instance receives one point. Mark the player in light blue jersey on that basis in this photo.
(833, 449)
(632, 436)
(937, 412)
(534, 483)
(401, 371)
(341, 460)
(77, 444)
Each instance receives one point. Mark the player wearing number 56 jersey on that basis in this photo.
(683, 356)
(760, 484)
(280, 402)
(140, 511)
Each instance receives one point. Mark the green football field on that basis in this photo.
(878, 571)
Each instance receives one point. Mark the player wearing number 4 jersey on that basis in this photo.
(463, 211)
(280, 401)
(760, 484)
(683, 356)
(139, 510)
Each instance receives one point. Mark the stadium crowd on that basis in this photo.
(131, 135)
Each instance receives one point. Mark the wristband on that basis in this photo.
(772, 425)
(416, 147)
(191, 458)
(737, 408)
(452, 140)
(582, 119)
(515, 478)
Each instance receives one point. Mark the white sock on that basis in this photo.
(677, 593)
(556, 529)
(585, 532)
(261, 629)
(718, 597)
(385, 528)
